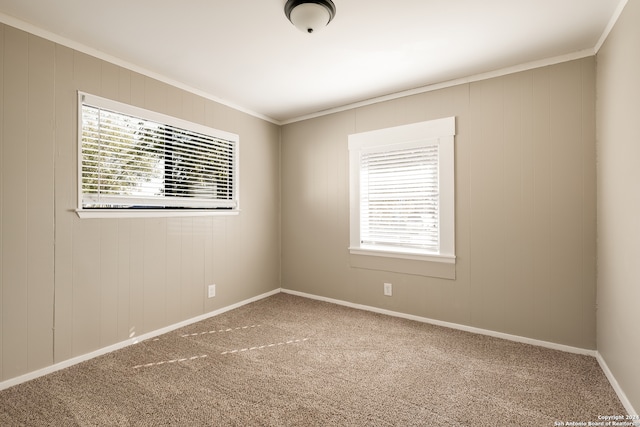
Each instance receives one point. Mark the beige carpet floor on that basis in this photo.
(291, 361)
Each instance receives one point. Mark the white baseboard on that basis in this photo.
(75, 360)
(616, 387)
(466, 328)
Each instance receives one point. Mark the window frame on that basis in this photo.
(164, 119)
(440, 132)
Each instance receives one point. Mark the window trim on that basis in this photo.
(440, 131)
(127, 109)
(153, 213)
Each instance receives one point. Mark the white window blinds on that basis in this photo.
(140, 159)
(399, 197)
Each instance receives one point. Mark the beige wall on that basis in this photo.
(618, 125)
(99, 282)
(525, 206)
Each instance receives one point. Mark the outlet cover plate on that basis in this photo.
(212, 291)
(388, 289)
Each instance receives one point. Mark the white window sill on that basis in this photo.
(152, 213)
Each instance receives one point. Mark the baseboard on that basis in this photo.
(458, 326)
(616, 387)
(75, 360)
(78, 359)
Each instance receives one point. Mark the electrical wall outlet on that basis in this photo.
(212, 291)
(388, 289)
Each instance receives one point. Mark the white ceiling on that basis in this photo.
(245, 53)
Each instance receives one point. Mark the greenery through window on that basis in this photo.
(134, 158)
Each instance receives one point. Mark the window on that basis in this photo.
(402, 191)
(138, 161)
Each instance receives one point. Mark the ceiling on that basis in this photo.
(246, 54)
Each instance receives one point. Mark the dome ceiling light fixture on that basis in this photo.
(310, 16)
